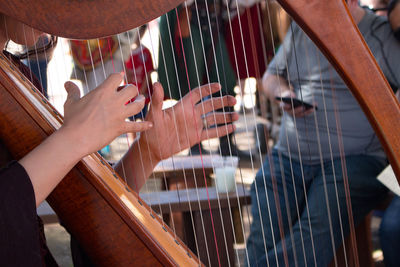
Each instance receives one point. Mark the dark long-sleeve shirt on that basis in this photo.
(22, 241)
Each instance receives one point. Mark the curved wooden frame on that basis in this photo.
(355, 64)
(67, 18)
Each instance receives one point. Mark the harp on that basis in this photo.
(112, 223)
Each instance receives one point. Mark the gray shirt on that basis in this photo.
(317, 136)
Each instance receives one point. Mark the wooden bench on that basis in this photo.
(203, 207)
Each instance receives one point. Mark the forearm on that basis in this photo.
(274, 85)
(49, 162)
(136, 165)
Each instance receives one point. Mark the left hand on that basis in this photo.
(104, 110)
(181, 126)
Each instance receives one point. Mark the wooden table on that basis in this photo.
(192, 168)
(214, 209)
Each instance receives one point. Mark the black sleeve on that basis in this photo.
(19, 228)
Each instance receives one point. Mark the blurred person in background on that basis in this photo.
(305, 168)
(193, 51)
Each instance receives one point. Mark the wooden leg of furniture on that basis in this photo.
(197, 229)
(219, 243)
(238, 226)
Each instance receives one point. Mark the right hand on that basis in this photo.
(100, 116)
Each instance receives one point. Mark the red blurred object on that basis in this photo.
(252, 41)
(138, 66)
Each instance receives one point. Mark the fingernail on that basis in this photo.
(150, 124)
(119, 88)
(140, 98)
(68, 83)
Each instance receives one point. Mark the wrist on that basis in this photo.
(148, 154)
(136, 176)
(72, 142)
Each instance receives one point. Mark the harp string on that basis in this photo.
(242, 39)
(186, 132)
(244, 111)
(37, 59)
(290, 162)
(131, 164)
(262, 167)
(342, 156)
(198, 137)
(309, 151)
(50, 85)
(133, 181)
(301, 158)
(285, 191)
(344, 172)
(344, 169)
(97, 83)
(208, 79)
(150, 96)
(320, 150)
(345, 178)
(298, 146)
(278, 208)
(196, 243)
(352, 231)
(202, 105)
(263, 171)
(233, 136)
(179, 147)
(234, 141)
(217, 72)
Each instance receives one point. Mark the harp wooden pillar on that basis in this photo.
(360, 71)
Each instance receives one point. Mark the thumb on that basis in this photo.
(73, 92)
(158, 96)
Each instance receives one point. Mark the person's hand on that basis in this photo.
(99, 117)
(182, 125)
(300, 111)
